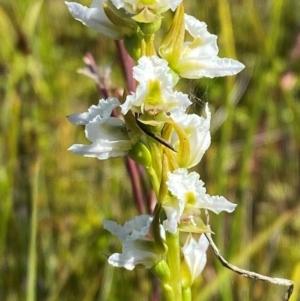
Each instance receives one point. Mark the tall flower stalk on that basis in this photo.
(151, 126)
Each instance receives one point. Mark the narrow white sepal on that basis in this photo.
(195, 255)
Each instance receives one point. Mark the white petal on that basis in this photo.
(215, 67)
(198, 131)
(137, 227)
(181, 184)
(198, 58)
(172, 3)
(79, 119)
(173, 218)
(216, 204)
(109, 139)
(102, 149)
(108, 135)
(135, 6)
(159, 73)
(115, 229)
(113, 129)
(130, 259)
(94, 17)
(137, 247)
(181, 102)
(156, 69)
(207, 42)
(195, 255)
(102, 112)
(131, 103)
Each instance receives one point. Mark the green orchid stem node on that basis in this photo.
(171, 46)
(125, 24)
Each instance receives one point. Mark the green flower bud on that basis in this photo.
(141, 154)
(133, 46)
(186, 276)
(162, 271)
(150, 28)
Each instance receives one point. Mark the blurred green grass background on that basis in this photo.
(52, 203)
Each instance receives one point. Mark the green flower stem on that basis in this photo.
(150, 49)
(173, 260)
(156, 153)
(154, 180)
(186, 294)
(163, 189)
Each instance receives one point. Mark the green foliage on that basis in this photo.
(52, 245)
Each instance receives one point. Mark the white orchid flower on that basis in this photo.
(137, 247)
(197, 131)
(95, 18)
(135, 6)
(108, 135)
(154, 93)
(199, 57)
(189, 196)
(195, 256)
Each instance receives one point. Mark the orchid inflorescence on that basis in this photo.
(153, 128)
